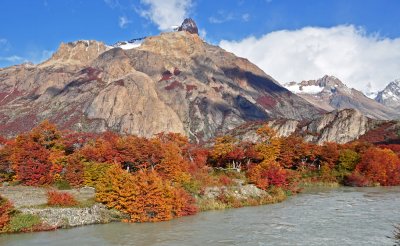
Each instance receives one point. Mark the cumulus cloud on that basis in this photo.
(165, 13)
(123, 21)
(365, 62)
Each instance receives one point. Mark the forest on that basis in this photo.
(164, 177)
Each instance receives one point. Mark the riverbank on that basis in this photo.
(29, 200)
(324, 216)
(32, 201)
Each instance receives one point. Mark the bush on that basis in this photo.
(6, 209)
(24, 223)
(356, 179)
(62, 184)
(55, 198)
(94, 172)
(380, 166)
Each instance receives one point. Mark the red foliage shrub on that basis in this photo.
(55, 198)
(6, 208)
(31, 163)
(189, 88)
(380, 166)
(356, 179)
(225, 180)
(175, 84)
(183, 203)
(265, 175)
(266, 101)
(74, 170)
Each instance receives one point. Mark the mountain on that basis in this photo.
(329, 93)
(390, 96)
(340, 126)
(171, 82)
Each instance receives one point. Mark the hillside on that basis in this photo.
(172, 82)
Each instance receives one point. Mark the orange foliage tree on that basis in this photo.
(31, 162)
(380, 166)
(144, 195)
(269, 146)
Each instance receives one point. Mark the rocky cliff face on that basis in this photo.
(329, 93)
(172, 82)
(340, 126)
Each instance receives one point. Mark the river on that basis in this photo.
(339, 216)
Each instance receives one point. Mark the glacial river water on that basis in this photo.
(340, 216)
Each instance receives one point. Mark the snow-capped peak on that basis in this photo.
(326, 84)
(390, 96)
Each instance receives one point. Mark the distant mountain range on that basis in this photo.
(329, 93)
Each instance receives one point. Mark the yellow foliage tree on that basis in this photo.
(270, 144)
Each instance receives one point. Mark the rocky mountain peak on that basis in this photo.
(390, 96)
(190, 26)
(329, 93)
(331, 81)
(172, 82)
(327, 84)
(78, 52)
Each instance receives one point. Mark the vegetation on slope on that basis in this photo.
(166, 176)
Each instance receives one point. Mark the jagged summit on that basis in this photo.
(190, 26)
(390, 96)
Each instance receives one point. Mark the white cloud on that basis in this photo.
(12, 59)
(4, 44)
(123, 21)
(346, 52)
(166, 13)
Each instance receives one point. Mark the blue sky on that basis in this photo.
(30, 30)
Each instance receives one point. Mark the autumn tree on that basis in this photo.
(380, 166)
(293, 152)
(269, 146)
(348, 159)
(6, 209)
(6, 171)
(30, 161)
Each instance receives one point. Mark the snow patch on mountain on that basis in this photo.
(131, 44)
(309, 89)
(390, 96)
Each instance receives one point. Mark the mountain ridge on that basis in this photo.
(330, 93)
(171, 82)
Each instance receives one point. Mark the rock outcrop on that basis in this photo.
(170, 82)
(340, 126)
(190, 26)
